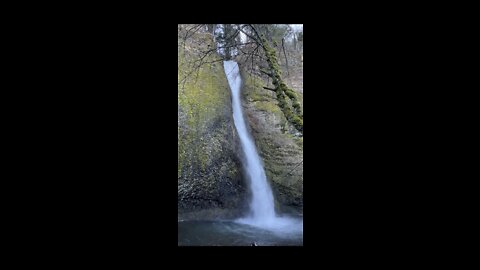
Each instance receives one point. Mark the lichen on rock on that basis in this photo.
(278, 143)
(209, 178)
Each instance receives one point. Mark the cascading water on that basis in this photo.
(262, 204)
(262, 225)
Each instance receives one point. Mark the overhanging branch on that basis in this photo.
(268, 88)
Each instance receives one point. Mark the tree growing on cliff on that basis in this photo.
(259, 46)
(292, 110)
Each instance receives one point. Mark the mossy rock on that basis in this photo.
(208, 162)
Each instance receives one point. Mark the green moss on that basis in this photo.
(282, 103)
(254, 88)
(297, 122)
(267, 106)
(202, 99)
(294, 98)
(281, 89)
(299, 142)
(289, 92)
(203, 93)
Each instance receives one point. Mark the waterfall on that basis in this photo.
(262, 208)
(261, 205)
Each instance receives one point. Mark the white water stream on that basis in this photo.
(262, 208)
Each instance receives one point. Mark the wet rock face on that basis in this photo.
(210, 175)
(210, 182)
(278, 143)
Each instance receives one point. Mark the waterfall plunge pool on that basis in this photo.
(235, 233)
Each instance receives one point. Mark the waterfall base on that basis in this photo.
(228, 233)
(278, 225)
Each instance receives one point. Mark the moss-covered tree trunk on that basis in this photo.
(292, 112)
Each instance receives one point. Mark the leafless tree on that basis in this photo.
(257, 50)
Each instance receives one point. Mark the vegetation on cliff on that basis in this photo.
(209, 174)
(210, 179)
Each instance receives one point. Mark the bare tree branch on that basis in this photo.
(286, 59)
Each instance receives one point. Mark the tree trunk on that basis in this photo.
(295, 116)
